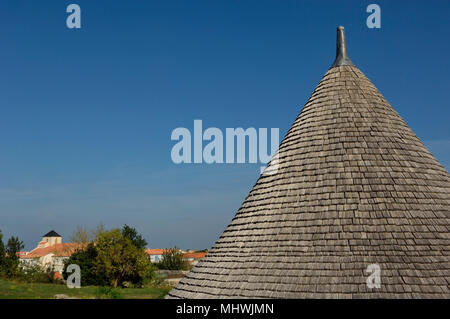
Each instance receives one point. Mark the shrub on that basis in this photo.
(35, 273)
(172, 259)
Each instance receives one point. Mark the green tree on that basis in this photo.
(11, 261)
(132, 234)
(172, 259)
(2, 254)
(85, 258)
(119, 259)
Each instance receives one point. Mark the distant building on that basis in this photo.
(155, 255)
(50, 239)
(50, 252)
(193, 257)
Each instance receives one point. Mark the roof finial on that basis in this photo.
(341, 49)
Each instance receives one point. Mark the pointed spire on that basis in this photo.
(341, 49)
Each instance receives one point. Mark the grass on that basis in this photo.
(20, 290)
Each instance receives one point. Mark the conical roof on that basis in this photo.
(354, 187)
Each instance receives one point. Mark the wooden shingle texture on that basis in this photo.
(354, 187)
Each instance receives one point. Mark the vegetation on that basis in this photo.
(114, 258)
(9, 259)
(2, 254)
(117, 258)
(84, 236)
(172, 259)
(113, 264)
(81, 236)
(11, 268)
(136, 239)
(121, 261)
(35, 273)
(20, 290)
(85, 258)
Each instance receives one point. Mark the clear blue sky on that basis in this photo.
(86, 115)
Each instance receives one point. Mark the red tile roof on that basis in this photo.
(197, 255)
(156, 251)
(60, 250)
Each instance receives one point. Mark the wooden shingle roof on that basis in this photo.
(355, 186)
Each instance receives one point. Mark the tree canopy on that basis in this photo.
(115, 257)
(172, 259)
(9, 259)
(2, 252)
(132, 234)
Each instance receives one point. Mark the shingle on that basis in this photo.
(354, 187)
